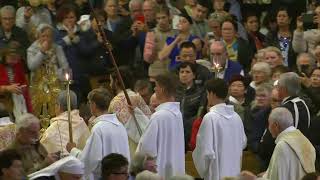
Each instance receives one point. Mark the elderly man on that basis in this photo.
(289, 86)
(34, 155)
(149, 13)
(227, 68)
(9, 33)
(305, 64)
(64, 169)
(164, 136)
(56, 136)
(108, 135)
(135, 7)
(294, 156)
(221, 137)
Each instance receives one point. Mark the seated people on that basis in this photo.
(33, 155)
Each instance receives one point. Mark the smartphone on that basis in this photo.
(140, 18)
(308, 21)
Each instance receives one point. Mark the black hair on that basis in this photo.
(6, 159)
(192, 66)
(233, 22)
(217, 87)
(188, 44)
(112, 163)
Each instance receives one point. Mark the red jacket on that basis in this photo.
(19, 77)
(195, 128)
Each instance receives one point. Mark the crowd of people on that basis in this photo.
(233, 83)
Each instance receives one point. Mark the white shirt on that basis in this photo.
(164, 139)
(108, 135)
(220, 142)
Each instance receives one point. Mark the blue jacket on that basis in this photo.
(233, 68)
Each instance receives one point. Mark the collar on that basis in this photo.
(217, 106)
(285, 99)
(167, 106)
(4, 121)
(289, 129)
(111, 118)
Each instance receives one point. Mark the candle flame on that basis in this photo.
(67, 76)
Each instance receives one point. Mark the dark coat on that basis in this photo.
(273, 40)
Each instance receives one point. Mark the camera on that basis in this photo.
(308, 21)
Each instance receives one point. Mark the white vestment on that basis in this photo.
(108, 135)
(220, 142)
(67, 164)
(164, 139)
(56, 136)
(292, 158)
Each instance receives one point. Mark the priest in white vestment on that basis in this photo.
(56, 136)
(164, 136)
(108, 135)
(221, 137)
(294, 155)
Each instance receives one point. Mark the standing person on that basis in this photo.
(68, 36)
(294, 156)
(221, 137)
(47, 62)
(289, 86)
(107, 135)
(119, 106)
(14, 93)
(164, 137)
(282, 38)
(9, 32)
(56, 136)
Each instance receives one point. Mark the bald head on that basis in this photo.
(218, 52)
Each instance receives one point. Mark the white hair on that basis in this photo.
(263, 67)
(265, 87)
(6, 9)
(291, 82)
(25, 121)
(137, 163)
(147, 175)
(135, 2)
(282, 116)
(41, 28)
(310, 57)
(181, 177)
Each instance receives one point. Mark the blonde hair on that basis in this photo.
(274, 49)
(263, 67)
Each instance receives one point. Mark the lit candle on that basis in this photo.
(67, 76)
